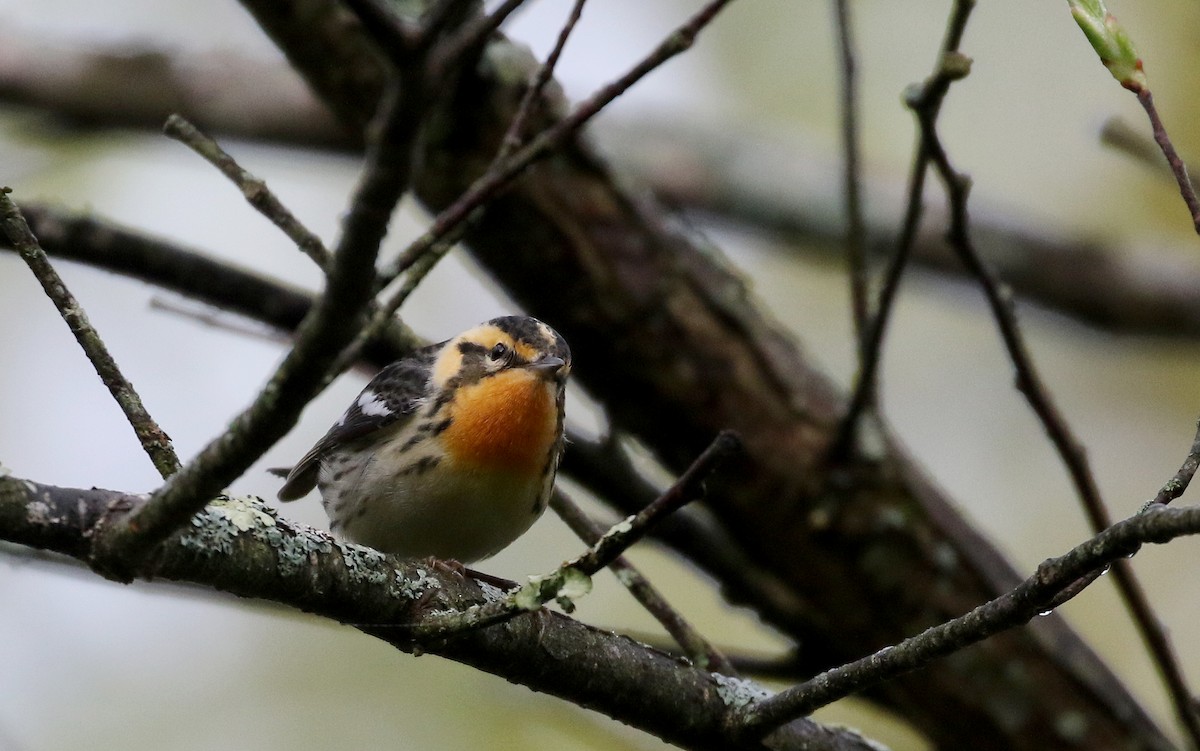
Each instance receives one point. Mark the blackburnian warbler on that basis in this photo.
(450, 452)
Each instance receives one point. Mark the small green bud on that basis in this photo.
(1110, 41)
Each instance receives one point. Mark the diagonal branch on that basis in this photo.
(1038, 396)
(856, 235)
(254, 189)
(1027, 601)
(1180, 481)
(697, 649)
(155, 442)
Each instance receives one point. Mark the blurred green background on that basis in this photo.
(90, 664)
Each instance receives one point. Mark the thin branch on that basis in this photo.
(948, 69)
(254, 189)
(685, 490)
(516, 129)
(383, 315)
(155, 442)
(1038, 396)
(606, 471)
(468, 40)
(572, 579)
(331, 323)
(499, 175)
(511, 142)
(1179, 483)
(856, 235)
(1178, 168)
(1025, 602)
(695, 647)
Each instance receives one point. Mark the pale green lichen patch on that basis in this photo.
(738, 693)
(564, 586)
(4, 471)
(412, 588)
(575, 584)
(245, 513)
(219, 523)
(212, 533)
(491, 593)
(295, 551)
(363, 564)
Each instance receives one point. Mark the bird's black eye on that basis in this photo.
(499, 353)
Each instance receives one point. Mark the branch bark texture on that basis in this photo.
(238, 545)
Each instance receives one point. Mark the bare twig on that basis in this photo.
(511, 141)
(516, 129)
(1019, 606)
(254, 189)
(1038, 396)
(695, 647)
(1186, 189)
(499, 175)
(1118, 134)
(1179, 483)
(382, 316)
(471, 37)
(856, 235)
(949, 68)
(155, 442)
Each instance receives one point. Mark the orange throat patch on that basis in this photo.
(507, 421)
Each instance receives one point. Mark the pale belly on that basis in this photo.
(465, 516)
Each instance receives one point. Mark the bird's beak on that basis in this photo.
(549, 366)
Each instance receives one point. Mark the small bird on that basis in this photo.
(450, 452)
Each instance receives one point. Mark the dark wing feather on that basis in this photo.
(391, 398)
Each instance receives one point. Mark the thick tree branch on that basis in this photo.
(239, 546)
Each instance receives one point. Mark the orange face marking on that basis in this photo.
(506, 421)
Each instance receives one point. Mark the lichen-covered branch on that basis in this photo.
(240, 546)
